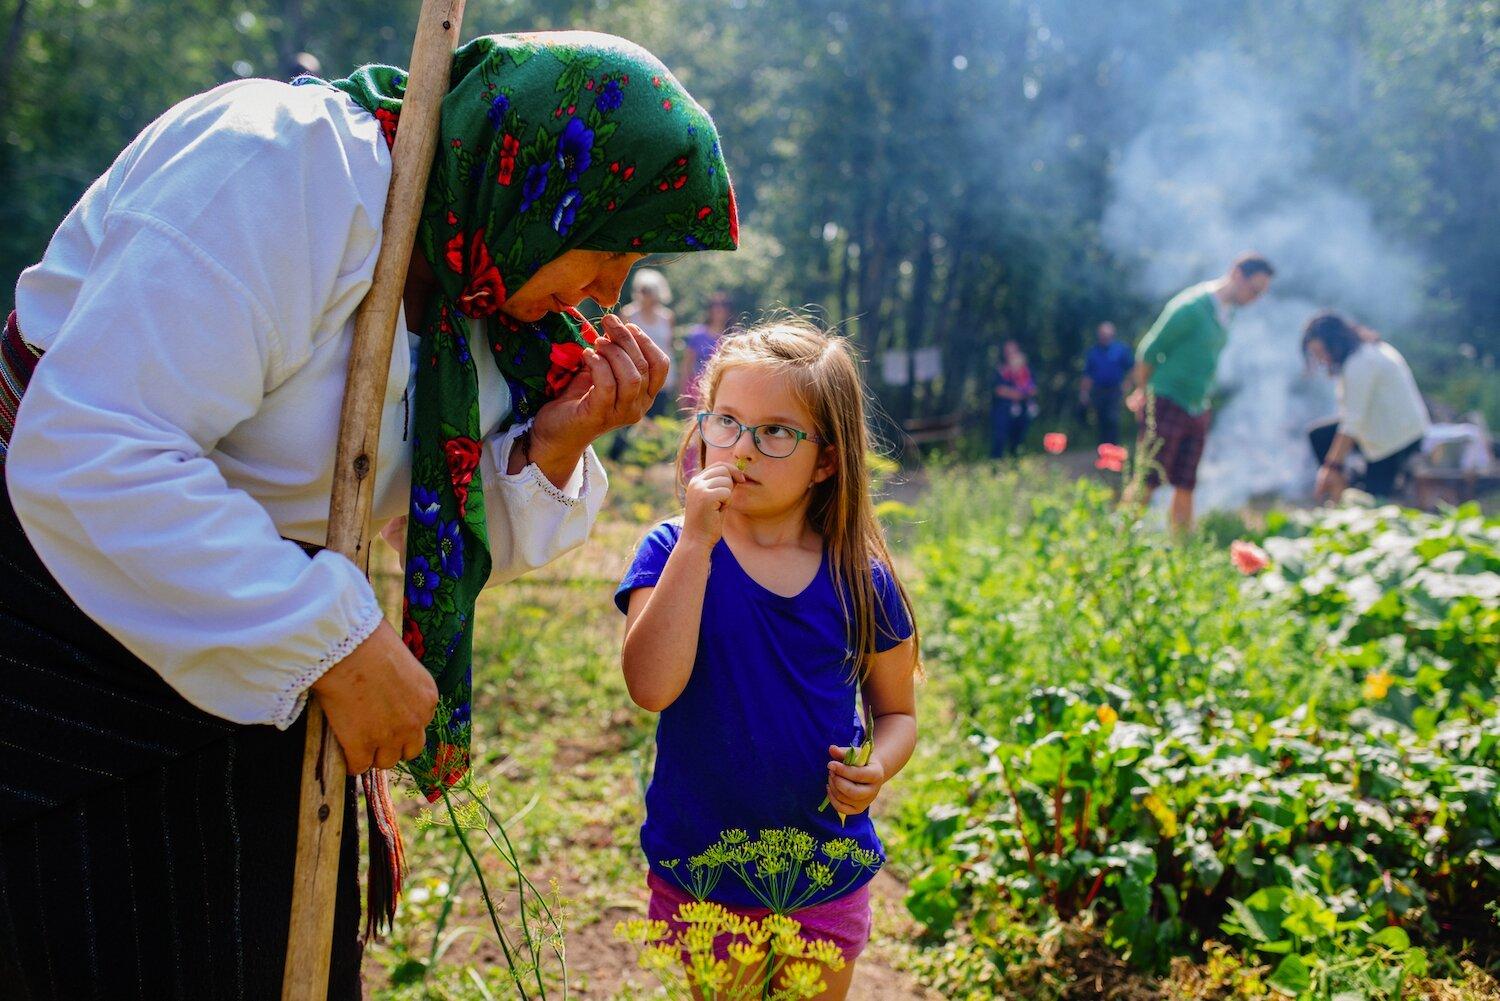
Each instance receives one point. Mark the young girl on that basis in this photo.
(754, 618)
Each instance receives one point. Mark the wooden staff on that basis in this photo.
(320, 815)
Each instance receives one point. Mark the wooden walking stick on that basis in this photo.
(320, 815)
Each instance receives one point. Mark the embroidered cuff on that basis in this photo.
(532, 477)
(293, 698)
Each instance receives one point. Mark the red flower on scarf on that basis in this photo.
(463, 458)
(387, 120)
(411, 633)
(509, 147)
(454, 253)
(450, 763)
(486, 289)
(567, 360)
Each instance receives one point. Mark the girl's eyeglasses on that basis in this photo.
(776, 441)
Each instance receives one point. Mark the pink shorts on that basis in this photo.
(844, 921)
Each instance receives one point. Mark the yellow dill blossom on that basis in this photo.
(701, 912)
(699, 939)
(742, 462)
(1166, 819)
(779, 925)
(822, 950)
(805, 979)
(1377, 684)
(710, 975)
(659, 958)
(746, 954)
(641, 930)
(1107, 716)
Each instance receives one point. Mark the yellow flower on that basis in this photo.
(1166, 819)
(822, 950)
(1107, 716)
(659, 957)
(746, 954)
(701, 912)
(804, 980)
(1377, 684)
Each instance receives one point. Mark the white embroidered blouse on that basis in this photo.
(196, 309)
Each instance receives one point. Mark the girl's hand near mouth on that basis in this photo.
(707, 496)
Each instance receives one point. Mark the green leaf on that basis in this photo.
(1291, 977)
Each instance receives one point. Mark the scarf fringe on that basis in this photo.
(387, 870)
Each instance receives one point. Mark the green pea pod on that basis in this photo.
(857, 756)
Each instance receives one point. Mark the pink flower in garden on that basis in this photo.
(1056, 442)
(1111, 458)
(1248, 558)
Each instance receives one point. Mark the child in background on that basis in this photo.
(756, 618)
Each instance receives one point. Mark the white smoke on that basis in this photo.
(1224, 164)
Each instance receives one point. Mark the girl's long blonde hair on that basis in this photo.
(823, 372)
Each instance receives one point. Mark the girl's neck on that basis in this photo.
(789, 529)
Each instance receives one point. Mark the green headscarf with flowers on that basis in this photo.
(548, 142)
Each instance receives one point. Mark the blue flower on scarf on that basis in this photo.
(692, 241)
(610, 97)
(463, 349)
(460, 714)
(567, 212)
(533, 186)
(498, 107)
(574, 147)
(450, 549)
(421, 582)
(424, 505)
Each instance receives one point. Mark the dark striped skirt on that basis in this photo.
(146, 847)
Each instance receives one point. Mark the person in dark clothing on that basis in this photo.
(1014, 403)
(1106, 368)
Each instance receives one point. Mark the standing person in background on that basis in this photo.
(1014, 404)
(647, 309)
(1174, 374)
(649, 297)
(700, 344)
(1381, 412)
(1106, 368)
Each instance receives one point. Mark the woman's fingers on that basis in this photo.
(602, 373)
(629, 378)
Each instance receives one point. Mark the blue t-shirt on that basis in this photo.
(745, 746)
(1108, 365)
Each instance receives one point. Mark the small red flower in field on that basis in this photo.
(1056, 442)
(1111, 458)
(1248, 558)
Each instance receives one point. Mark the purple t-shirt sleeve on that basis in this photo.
(650, 557)
(892, 625)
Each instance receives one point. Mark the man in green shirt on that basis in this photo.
(1174, 373)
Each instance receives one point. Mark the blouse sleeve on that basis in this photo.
(164, 351)
(531, 522)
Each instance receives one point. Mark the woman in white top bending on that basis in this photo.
(180, 356)
(1381, 412)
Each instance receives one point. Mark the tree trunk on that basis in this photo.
(9, 53)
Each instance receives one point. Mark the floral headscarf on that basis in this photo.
(548, 142)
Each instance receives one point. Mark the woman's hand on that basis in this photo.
(378, 700)
(707, 496)
(622, 373)
(852, 788)
(1330, 484)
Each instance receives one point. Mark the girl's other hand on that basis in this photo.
(852, 788)
(707, 496)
